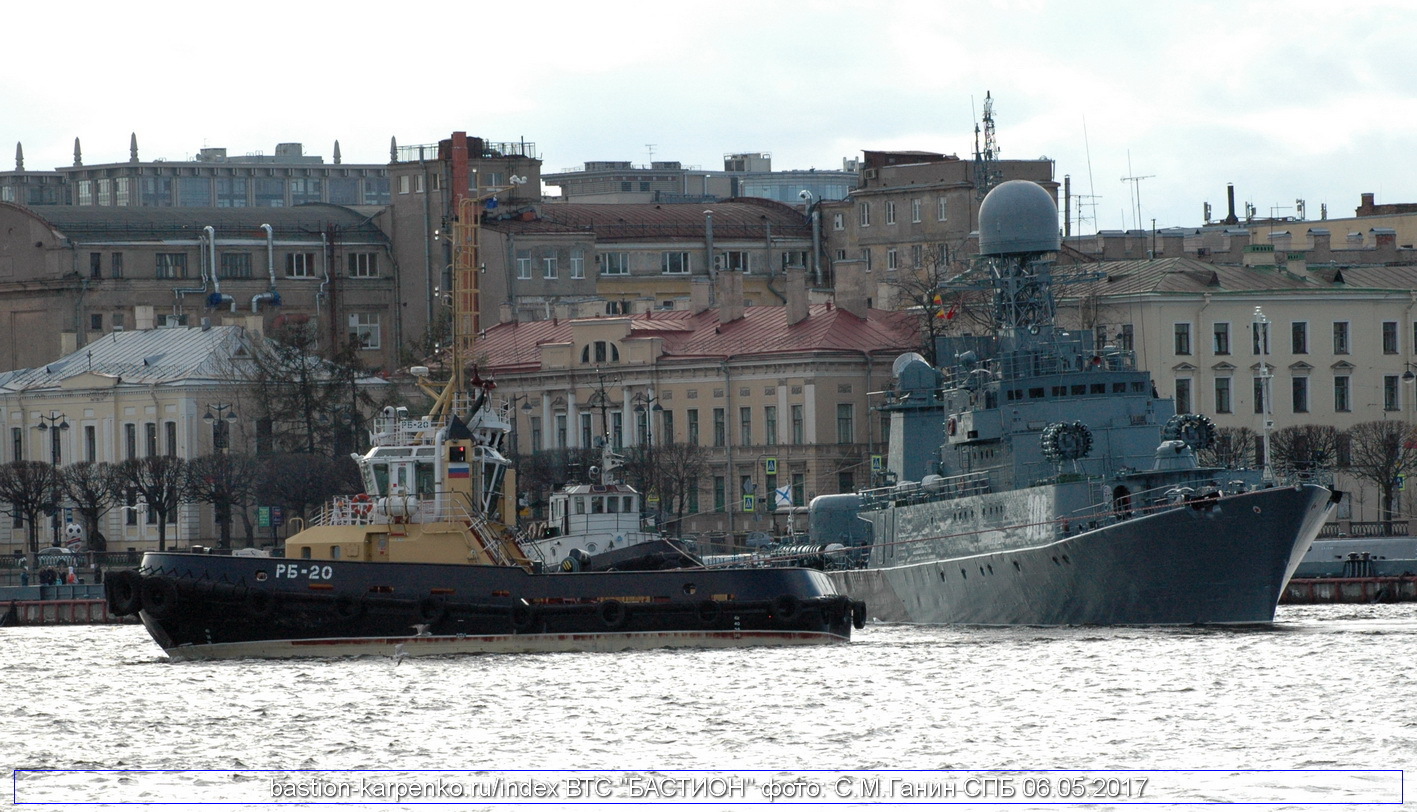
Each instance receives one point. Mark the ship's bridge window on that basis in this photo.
(1079, 389)
(1137, 387)
(597, 504)
(1119, 388)
(381, 477)
(1060, 391)
(424, 478)
(1036, 392)
(612, 504)
(1099, 389)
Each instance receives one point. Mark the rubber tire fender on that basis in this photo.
(259, 602)
(125, 593)
(858, 614)
(348, 606)
(786, 608)
(432, 609)
(523, 617)
(709, 612)
(159, 596)
(613, 614)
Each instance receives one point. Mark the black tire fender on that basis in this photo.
(348, 606)
(432, 609)
(523, 617)
(858, 614)
(613, 614)
(259, 602)
(709, 612)
(125, 595)
(159, 596)
(786, 608)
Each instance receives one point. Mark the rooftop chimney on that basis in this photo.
(796, 295)
(1230, 219)
(730, 296)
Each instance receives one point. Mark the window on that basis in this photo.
(1300, 389)
(405, 184)
(1389, 338)
(577, 263)
(1299, 337)
(720, 437)
(915, 210)
(1222, 338)
(1183, 396)
(586, 435)
(1391, 402)
(270, 192)
(95, 321)
(1340, 394)
(845, 423)
(733, 261)
(561, 429)
(364, 330)
(118, 321)
(130, 499)
(130, 441)
(615, 263)
(890, 212)
(600, 352)
(797, 426)
(548, 267)
(1340, 338)
(693, 428)
(116, 269)
(171, 266)
(941, 209)
(17, 444)
(300, 264)
(892, 259)
(866, 257)
(719, 494)
(917, 256)
(1183, 339)
(1259, 338)
(1126, 339)
(1222, 396)
(676, 262)
(170, 429)
(231, 193)
(363, 265)
(91, 443)
(770, 425)
(693, 490)
(1259, 394)
(745, 425)
(235, 265)
(799, 489)
(864, 210)
(307, 190)
(838, 221)
(665, 435)
(96, 265)
(523, 263)
(845, 482)
(150, 438)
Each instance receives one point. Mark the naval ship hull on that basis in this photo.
(1219, 562)
(219, 607)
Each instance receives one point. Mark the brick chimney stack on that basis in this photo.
(796, 295)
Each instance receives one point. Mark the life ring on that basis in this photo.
(786, 607)
(858, 614)
(259, 602)
(432, 609)
(709, 612)
(348, 607)
(953, 426)
(613, 614)
(159, 596)
(124, 590)
(361, 505)
(523, 617)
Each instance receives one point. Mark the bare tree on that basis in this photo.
(941, 290)
(1379, 452)
(227, 482)
(95, 488)
(541, 472)
(1231, 448)
(159, 481)
(1304, 451)
(298, 482)
(30, 488)
(667, 472)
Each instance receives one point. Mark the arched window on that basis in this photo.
(600, 352)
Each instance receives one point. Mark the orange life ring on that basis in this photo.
(361, 505)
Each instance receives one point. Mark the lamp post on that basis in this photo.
(1266, 376)
(509, 410)
(221, 425)
(52, 424)
(648, 405)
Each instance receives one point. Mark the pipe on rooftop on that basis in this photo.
(217, 299)
(270, 295)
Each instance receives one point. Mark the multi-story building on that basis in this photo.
(780, 397)
(71, 274)
(560, 260)
(744, 174)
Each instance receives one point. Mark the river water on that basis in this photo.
(1326, 689)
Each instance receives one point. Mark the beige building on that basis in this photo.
(780, 397)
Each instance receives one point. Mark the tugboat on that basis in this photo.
(1044, 482)
(422, 562)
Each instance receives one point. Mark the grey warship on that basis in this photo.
(1044, 482)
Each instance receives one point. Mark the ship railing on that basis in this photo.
(351, 511)
(1142, 503)
(930, 490)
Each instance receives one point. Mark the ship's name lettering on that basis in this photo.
(314, 572)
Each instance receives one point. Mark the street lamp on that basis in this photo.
(1266, 376)
(221, 424)
(509, 408)
(648, 406)
(53, 423)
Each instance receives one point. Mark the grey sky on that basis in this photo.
(1288, 101)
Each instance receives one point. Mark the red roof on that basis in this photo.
(763, 330)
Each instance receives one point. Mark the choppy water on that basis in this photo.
(1327, 687)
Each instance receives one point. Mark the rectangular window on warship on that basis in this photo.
(1340, 338)
(1075, 390)
(171, 266)
(1390, 394)
(1222, 337)
(1300, 388)
(1183, 395)
(1299, 337)
(1183, 339)
(1222, 396)
(1340, 393)
(1389, 338)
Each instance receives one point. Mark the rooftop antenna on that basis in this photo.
(986, 167)
(1135, 180)
(1091, 195)
(650, 149)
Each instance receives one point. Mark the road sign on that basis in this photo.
(748, 501)
(770, 466)
(277, 516)
(263, 516)
(1401, 482)
(876, 465)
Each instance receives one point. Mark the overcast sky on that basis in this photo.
(1287, 101)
